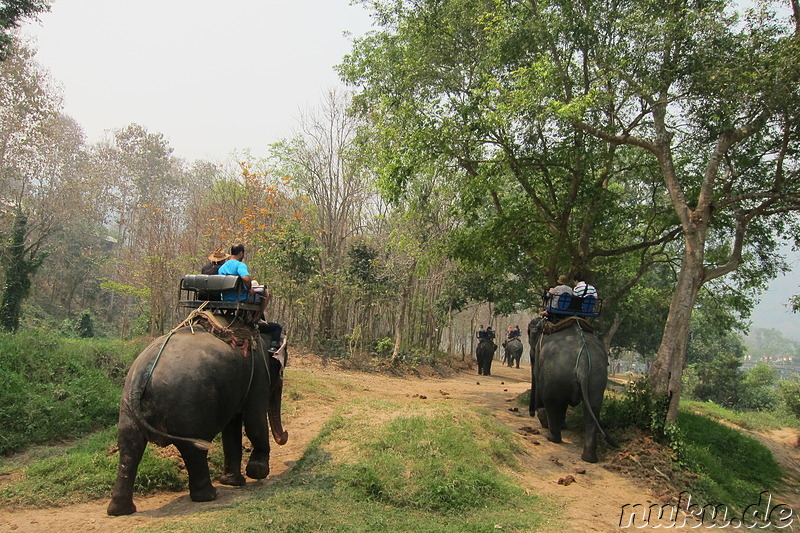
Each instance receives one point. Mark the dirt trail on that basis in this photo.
(591, 503)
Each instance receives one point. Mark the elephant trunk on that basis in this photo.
(274, 415)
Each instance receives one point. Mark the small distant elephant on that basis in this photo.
(513, 351)
(568, 366)
(485, 354)
(185, 389)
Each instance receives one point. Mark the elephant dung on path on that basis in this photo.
(184, 389)
(485, 354)
(513, 351)
(569, 364)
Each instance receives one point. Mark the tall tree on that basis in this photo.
(684, 104)
(448, 93)
(12, 14)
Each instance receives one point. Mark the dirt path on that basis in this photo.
(592, 502)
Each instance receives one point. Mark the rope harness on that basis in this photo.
(243, 337)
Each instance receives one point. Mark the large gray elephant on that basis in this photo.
(485, 354)
(186, 389)
(569, 365)
(513, 351)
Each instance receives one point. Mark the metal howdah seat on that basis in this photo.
(196, 289)
(568, 305)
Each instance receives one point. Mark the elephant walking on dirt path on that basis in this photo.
(569, 364)
(186, 388)
(485, 354)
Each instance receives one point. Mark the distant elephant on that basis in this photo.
(485, 354)
(186, 389)
(568, 365)
(513, 351)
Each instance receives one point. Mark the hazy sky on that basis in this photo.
(214, 77)
(211, 76)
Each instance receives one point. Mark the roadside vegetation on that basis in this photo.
(57, 388)
(723, 464)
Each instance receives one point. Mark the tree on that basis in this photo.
(451, 103)
(686, 105)
(325, 164)
(21, 265)
(12, 14)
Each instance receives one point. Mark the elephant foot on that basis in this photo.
(257, 469)
(116, 508)
(590, 456)
(203, 495)
(234, 479)
(553, 438)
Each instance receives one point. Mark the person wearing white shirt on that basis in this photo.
(582, 288)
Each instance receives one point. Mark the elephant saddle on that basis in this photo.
(566, 323)
(232, 331)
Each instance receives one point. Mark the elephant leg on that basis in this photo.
(541, 414)
(590, 439)
(232, 449)
(555, 418)
(196, 460)
(257, 429)
(132, 443)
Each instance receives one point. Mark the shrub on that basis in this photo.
(789, 394)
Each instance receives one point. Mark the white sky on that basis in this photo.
(211, 76)
(215, 77)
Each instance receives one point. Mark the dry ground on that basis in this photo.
(591, 503)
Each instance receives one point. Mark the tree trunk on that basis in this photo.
(667, 369)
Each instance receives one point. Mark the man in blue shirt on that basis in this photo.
(234, 266)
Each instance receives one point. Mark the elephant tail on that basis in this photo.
(142, 423)
(587, 405)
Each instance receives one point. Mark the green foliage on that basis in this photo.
(56, 388)
(19, 269)
(758, 388)
(789, 393)
(384, 347)
(12, 13)
(720, 380)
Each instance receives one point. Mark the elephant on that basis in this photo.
(184, 389)
(485, 354)
(513, 351)
(569, 364)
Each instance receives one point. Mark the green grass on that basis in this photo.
(752, 420)
(733, 468)
(55, 388)
(438, 468)
(85, 471)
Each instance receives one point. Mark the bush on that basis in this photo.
(55, 388)
(789, 394)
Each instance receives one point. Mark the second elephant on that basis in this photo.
(485, 354)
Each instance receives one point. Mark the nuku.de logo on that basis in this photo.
(686, 514)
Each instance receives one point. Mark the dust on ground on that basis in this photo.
(590, 496)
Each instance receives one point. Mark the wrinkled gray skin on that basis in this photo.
(200, 387)
(485, 354)
(563, 376)
(513, 351)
